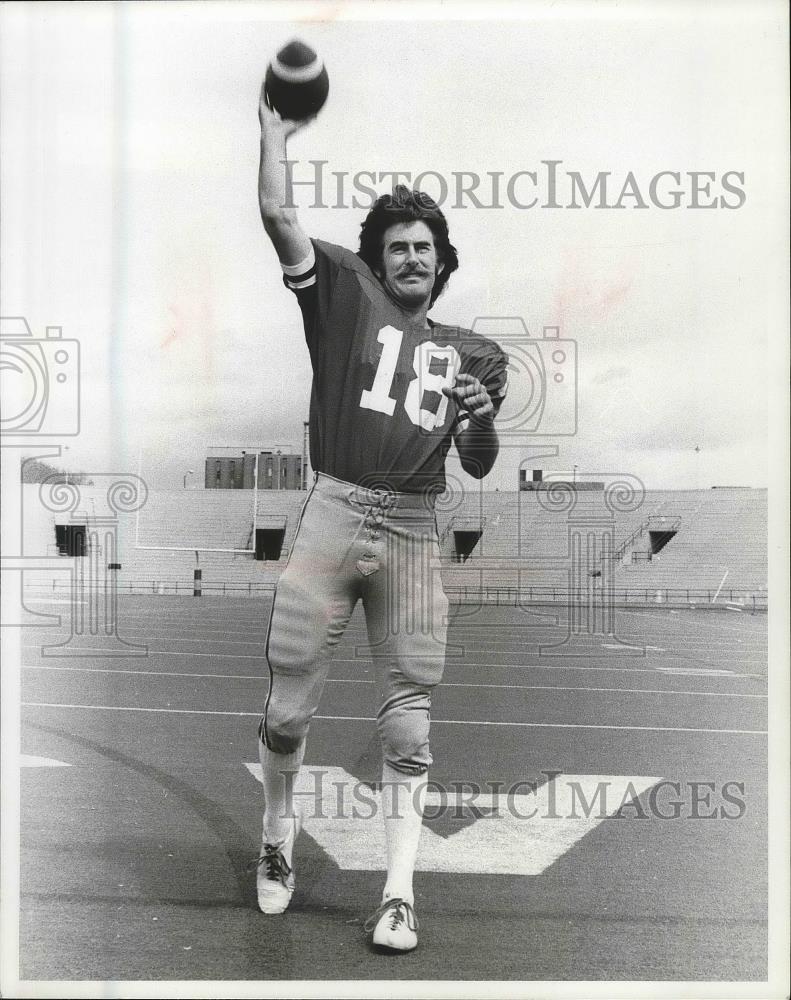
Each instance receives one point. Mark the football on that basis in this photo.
(296, 83)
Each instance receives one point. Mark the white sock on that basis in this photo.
(403, 798)
(279, 771)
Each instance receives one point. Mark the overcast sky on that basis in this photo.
(130, 152)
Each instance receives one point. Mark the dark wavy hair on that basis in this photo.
(404, 205)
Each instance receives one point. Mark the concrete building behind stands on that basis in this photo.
(231, 469)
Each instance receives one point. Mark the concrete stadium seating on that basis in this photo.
(526, 542)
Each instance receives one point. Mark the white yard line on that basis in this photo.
(435, 722)
(451, 662)
(361, 680)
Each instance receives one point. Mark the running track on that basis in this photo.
(134, 855)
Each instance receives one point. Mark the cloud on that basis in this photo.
(616, 374)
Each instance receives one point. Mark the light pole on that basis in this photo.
(574, 475)
(305, 432)
(189, 472)
(255, 496)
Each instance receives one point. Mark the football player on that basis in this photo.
(391, 391)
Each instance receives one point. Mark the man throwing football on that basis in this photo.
(391, 392)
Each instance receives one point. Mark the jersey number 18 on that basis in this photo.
(426, 380)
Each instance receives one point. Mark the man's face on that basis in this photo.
(409, 263)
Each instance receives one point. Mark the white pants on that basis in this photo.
(356, 544)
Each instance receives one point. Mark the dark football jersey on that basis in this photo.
(377, 412)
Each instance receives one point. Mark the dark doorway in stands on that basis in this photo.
(659, 540)
(269, 543)
(463, 544)
(70, 539)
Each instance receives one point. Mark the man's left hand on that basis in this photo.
(471, 395)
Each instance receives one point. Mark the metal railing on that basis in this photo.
(667, 524)
(751, 600)
(461, 519)
(747, 599)
(618, 553)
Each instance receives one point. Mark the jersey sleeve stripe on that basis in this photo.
(300, 269)
(295, 284)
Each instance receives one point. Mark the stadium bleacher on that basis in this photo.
(703, 542)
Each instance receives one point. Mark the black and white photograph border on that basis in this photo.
(604, 590)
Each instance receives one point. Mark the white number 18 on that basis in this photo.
(378, 396)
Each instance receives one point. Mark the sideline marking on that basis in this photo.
(518, 834)
(362, 680)
(434, 722)
(626, 645)
(340, 659)
(700, 620)
(697, 671)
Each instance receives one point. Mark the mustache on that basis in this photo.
(409, 269)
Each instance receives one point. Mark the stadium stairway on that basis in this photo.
(720, 543)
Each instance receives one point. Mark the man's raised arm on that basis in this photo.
(281, 224)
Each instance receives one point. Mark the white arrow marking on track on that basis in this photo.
(27, 760)
(525, 834)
